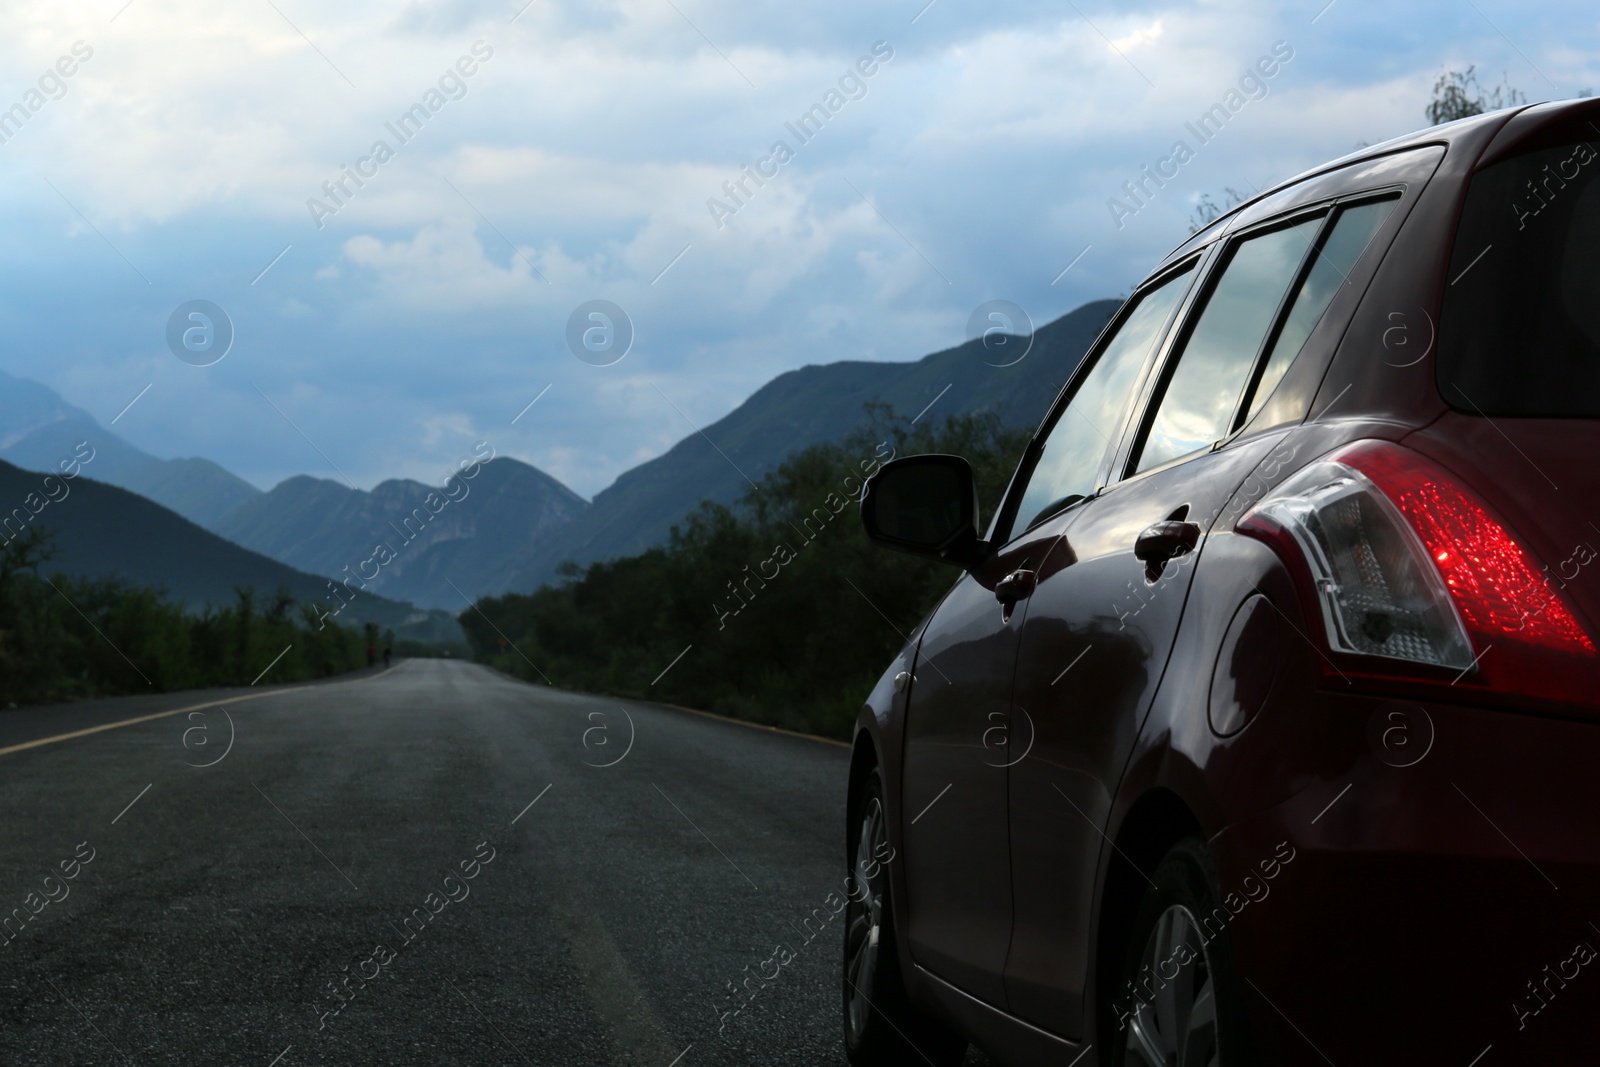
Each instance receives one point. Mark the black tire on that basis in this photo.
(881, 1028)
(1196, 1013)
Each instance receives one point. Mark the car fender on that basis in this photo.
(878, 739)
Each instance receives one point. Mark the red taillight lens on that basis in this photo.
(1499, 590)
(1410, 565)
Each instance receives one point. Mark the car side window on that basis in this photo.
(1202, 393)
(1351, 233)
(1075, 445)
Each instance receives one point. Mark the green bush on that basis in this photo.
(63, 638)
(809, 641)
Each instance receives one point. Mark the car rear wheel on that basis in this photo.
(1178, 1002)
(881, 1027)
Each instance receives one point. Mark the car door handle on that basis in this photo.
(1166, 540)
(1015, 586)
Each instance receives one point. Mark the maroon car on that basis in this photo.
(1263, 726)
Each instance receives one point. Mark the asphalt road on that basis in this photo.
(255, 911)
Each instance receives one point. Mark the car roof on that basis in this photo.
(1445, 134)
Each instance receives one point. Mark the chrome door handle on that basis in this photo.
(1015, 586)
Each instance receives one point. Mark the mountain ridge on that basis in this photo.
(38, 428)
(435, 553)
(793, 411)
(103, 531)
(515, 525)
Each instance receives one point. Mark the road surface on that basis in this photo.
(430, 865)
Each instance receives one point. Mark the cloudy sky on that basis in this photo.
(398, 321)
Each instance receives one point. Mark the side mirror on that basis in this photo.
(927, 506)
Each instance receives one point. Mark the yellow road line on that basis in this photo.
(741, 722)
(160, 715)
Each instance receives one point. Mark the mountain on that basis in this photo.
(314, 525)
(516, 525)
(469, 539)
(800, 408)
(38, 429)
(103, 531)
(25, 406)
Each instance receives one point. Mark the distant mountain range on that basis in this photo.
(326, 527)
(101, 531)
(804, 407)
(38, 428)
(313, 524)
(516, 524)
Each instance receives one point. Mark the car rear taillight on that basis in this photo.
(1410, 566)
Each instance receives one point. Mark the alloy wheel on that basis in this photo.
(1174, 1021)
(864, 913)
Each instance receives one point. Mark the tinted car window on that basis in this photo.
(1214, 367)
(1076, 444)
(1520, 329)
(1334, 261)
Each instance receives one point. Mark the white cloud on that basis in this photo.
(590, 143)
(1138, 38)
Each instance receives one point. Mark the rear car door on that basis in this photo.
(1100, 626)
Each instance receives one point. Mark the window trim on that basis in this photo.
(1336, 212)
(1173, 354)
(1280, 319)
(1332, 209)
(1006, 517)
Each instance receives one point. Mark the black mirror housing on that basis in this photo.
(927, 506)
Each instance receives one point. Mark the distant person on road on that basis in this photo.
(387, 652)
(372, 654)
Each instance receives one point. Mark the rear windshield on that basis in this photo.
(1520, 329)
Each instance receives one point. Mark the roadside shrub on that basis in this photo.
(63, 638)
(799, 648)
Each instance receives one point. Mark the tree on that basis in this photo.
(22, 553)
(1208, 210)
(244, 618)
(790, 611)
(1457, 95)
(63, 637)
(278, 608)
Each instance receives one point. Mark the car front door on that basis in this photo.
(959, 723)
(1100, 625)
